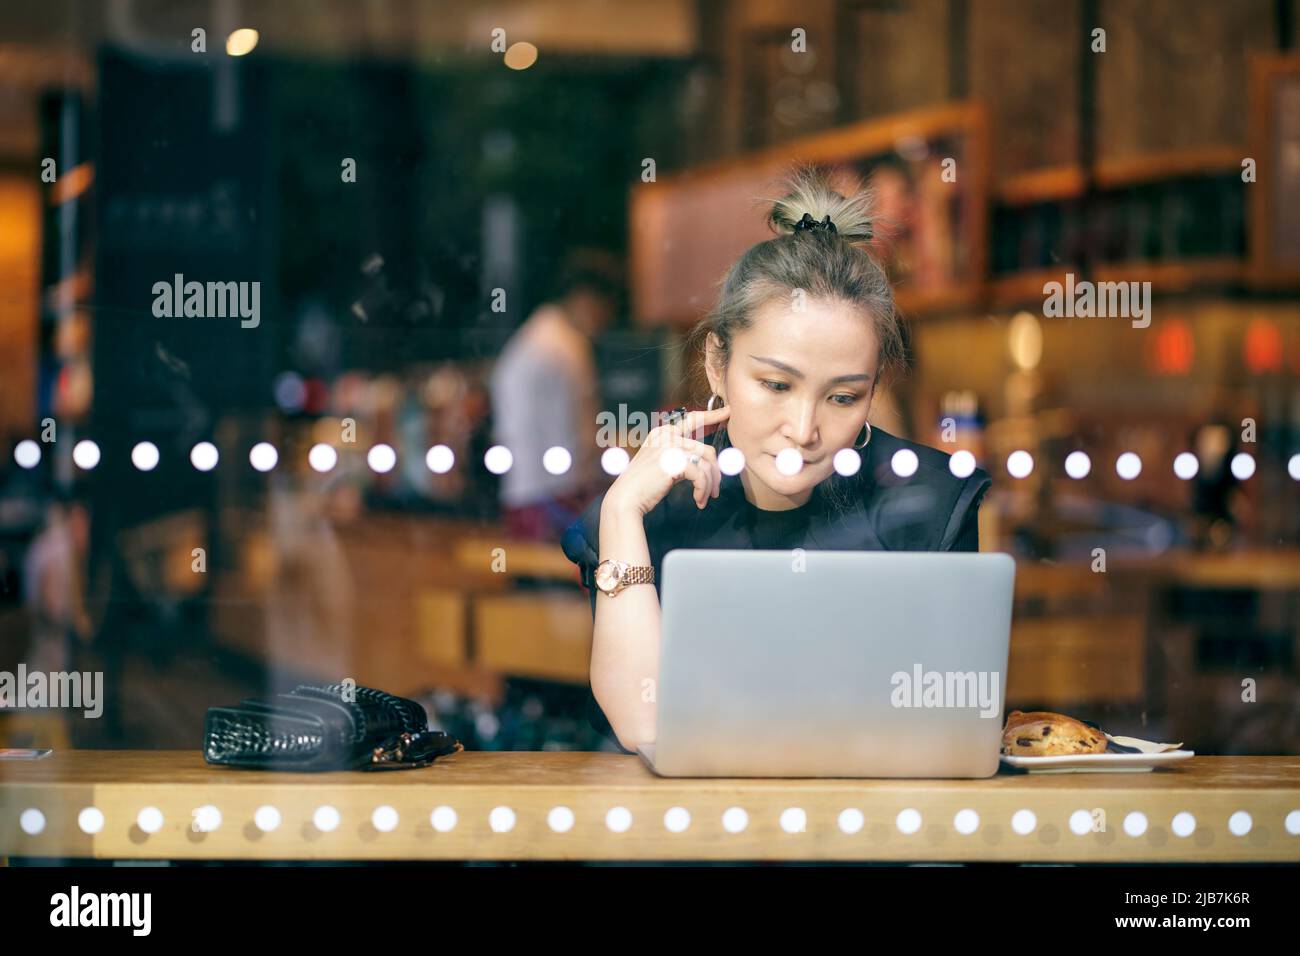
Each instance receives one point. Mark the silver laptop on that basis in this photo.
(831, 664)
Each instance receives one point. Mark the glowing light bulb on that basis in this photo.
(145, 456)
(1078, 464)
(1020, 464)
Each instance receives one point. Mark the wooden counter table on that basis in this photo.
(505, 805)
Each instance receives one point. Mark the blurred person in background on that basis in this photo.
(53, 586)
(310, 589)
(545, 394)
(54, 596)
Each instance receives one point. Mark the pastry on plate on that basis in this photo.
(1041, 733)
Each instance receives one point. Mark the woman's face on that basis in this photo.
(802, 379)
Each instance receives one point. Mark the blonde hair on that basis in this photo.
(809, 192)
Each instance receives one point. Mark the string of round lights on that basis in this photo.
(382, 458)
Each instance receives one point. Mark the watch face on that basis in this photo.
(607, 575)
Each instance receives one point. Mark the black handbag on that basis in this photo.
(324, 727)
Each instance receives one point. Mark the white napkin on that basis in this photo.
(1146, 746)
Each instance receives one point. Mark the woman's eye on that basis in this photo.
(840, 399)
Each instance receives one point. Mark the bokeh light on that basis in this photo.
(1243, 466)
(1020, 464)
(962, 464)
(556, 460)
(381, 458)
(242, 42)
(85, 454)
(322, 457)
(731, 461)
(847, 461)
(498, 459)
(789, 462)
(145, 456)
(1128, 465)
(27, 454)
(614, 461)
(1186, 466)
(204, 456)
(1078, 465)
(904, 463)
(263, 456)
(440, 459)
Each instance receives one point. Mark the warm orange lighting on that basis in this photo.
(521, 55)
(1025, 340)
(72, 183)
(242, 41)
(1173, 348)
(1263, 347)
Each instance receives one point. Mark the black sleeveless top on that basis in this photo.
(872, 510)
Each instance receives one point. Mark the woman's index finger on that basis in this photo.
(694, 421)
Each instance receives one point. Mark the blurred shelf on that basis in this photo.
(1265, 570)
(1258, 569)
(1057, 183)
(1176, 276)
(1026, 288)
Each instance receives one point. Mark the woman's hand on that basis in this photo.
(645, 481)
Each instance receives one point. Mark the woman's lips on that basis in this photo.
(804, 460)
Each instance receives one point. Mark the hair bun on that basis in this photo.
(811, 197)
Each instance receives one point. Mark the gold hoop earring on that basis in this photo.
(712, 396)
(867, 426)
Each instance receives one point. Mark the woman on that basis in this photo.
(803, 333)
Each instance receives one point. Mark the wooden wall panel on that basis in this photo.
(1024, 62)
(901, 57)
(1174, 74)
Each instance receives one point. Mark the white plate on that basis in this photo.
(1097, 763)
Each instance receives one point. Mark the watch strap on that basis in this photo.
(639, 574)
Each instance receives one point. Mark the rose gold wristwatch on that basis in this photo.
(613, 576)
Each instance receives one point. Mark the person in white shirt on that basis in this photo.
(545, 394)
